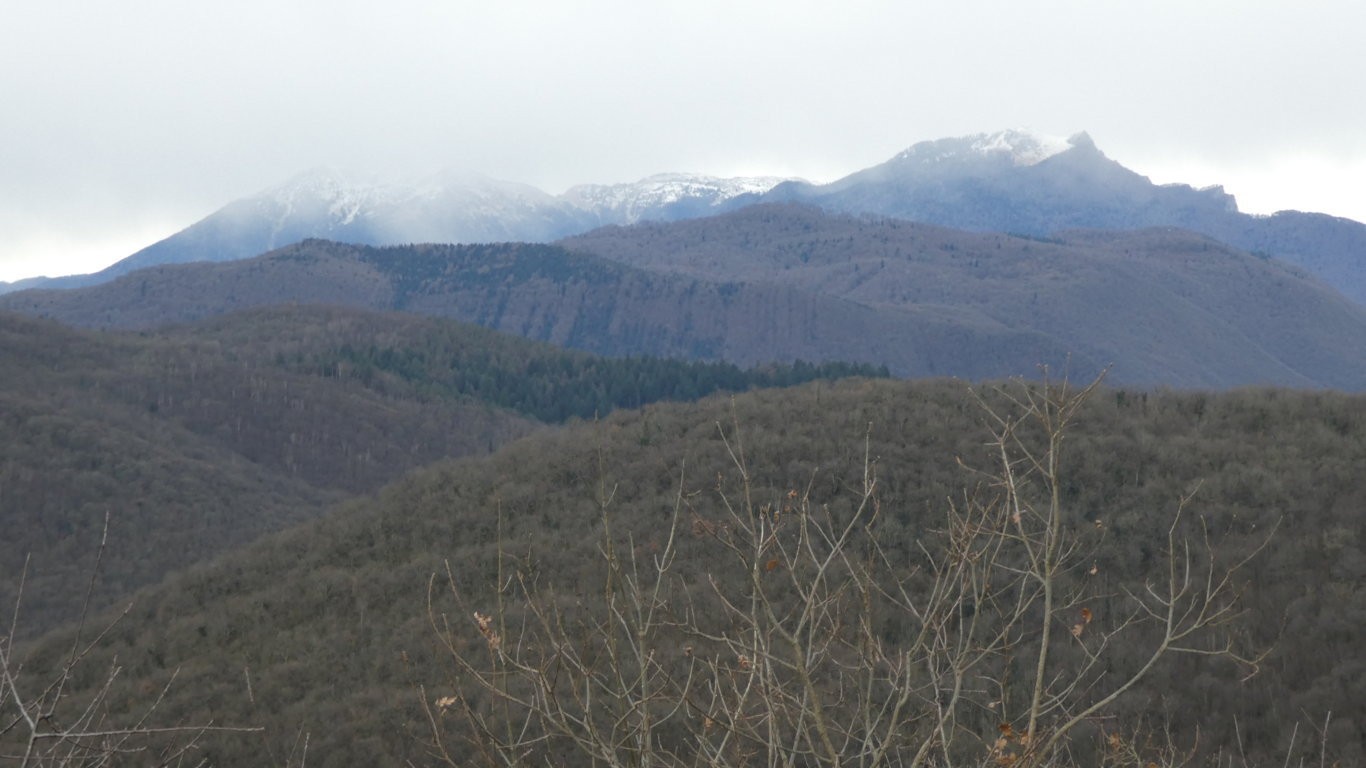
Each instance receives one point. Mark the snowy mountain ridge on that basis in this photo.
(1007, 181)
(1020, 148)
(345, 199)
(634, 201)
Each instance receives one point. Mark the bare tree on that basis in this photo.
(808, 641)
(42, 723)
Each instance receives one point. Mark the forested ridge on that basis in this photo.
(1165, 306)
(438, 360)
(323, 629)
(197, 439)
(774, 283)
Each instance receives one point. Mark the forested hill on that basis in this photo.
(199, 438)
(570, 300)
(328, 624)
(782, 282)
(423, 358)
(1166, 306)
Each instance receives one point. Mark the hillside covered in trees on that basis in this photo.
(324, 633)
(775, 283)
(197, 439)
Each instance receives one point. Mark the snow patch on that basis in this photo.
(1021, 148)
(634, 200)
(345, 199)
(332, 201)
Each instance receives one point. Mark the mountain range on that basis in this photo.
(781, 282)
(1020, 183)
(1009, 181)
(296, 432)
(448, 207)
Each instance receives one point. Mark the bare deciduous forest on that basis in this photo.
(831, 572)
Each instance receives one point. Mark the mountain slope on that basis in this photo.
(1017, 182)
(328, 623)
(197, 439)
(776, 283)
(665, 197)
(571, 300)
(447, 207)
(191, 446)
(1165, 306)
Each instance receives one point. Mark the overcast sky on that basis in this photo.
(121, 123)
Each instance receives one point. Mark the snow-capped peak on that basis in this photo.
(1021, 148)
(634, 200)
(343, 197)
